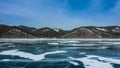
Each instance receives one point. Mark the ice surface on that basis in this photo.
(87, 51)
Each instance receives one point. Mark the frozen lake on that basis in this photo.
(59, 53)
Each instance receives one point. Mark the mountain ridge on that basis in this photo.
(46, 32)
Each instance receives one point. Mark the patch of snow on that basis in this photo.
(74, 63)
(29, 55)
(69, 41)
(92, 61)
(5, 60)
(117, 28)
(82, 53)
(85, 29)
(102, 29)
(87, 44)
(57, 30)
(45, 30)
(89, 63)
(115, 43)
(109, 60)
(53, 43)
(73, 40)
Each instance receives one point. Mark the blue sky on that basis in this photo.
(65, 14)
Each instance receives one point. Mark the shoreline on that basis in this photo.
(59, 38)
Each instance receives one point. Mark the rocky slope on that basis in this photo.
(94, 32)
(29, 32)
(46, 32)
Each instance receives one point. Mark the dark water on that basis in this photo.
(59, 53)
